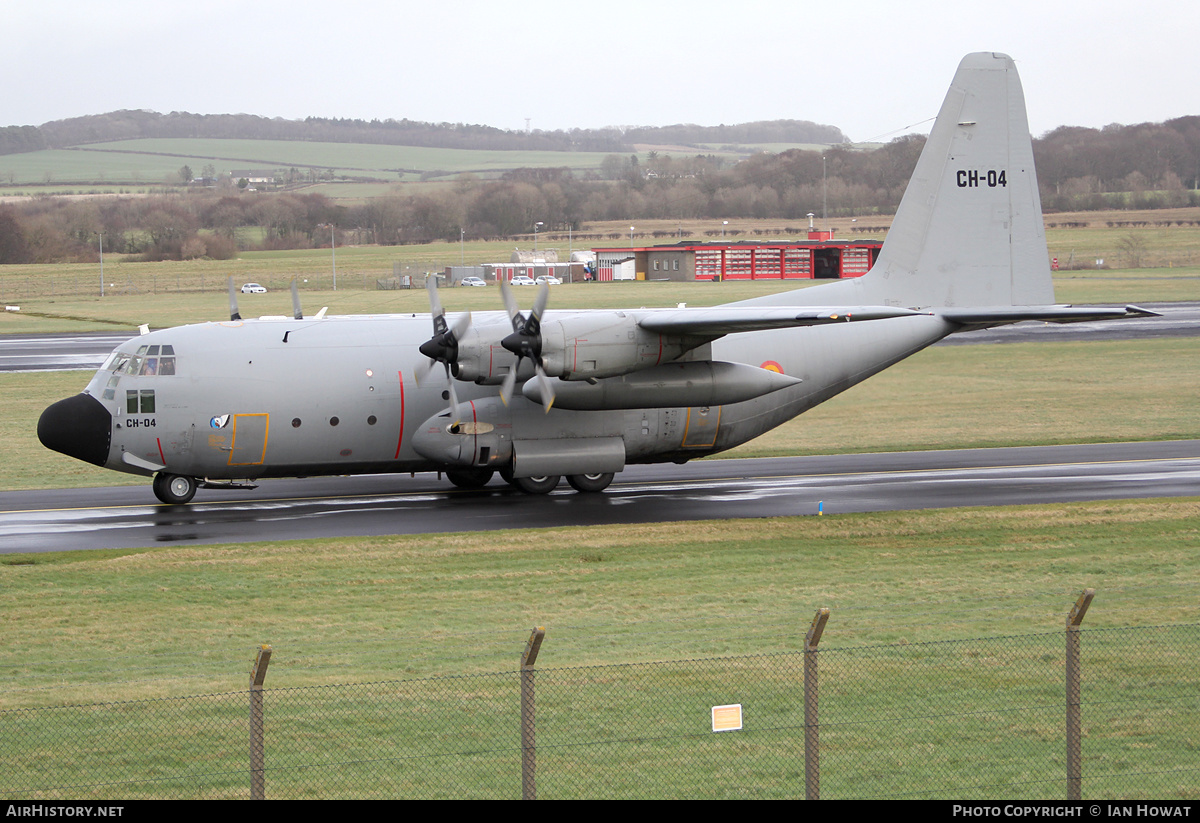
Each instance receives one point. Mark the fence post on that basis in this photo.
(1074, 724)
(812, 739)
(528, 736)
(258, 782)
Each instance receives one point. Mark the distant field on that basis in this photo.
(153, 161)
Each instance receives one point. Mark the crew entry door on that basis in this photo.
(249, 439)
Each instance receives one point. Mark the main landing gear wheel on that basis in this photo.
(174, 489)
(470, 478)
(590, 482)
(536, 485)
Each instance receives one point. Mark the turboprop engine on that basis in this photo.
(581, 346)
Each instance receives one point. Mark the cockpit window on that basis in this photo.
(147, 362)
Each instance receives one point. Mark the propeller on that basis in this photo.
(443, 346)
(526, 341)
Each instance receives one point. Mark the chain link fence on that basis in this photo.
(985, 718)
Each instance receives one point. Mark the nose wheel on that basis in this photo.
(174, 489)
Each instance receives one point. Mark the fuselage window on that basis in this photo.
(139, 402)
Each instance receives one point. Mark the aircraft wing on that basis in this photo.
(1002, 315)
(722, 320)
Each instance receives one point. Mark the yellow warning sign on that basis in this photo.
(727, 718)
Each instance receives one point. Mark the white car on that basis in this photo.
(253, 288)
(522, 280)
(548, 279)
(473, 281)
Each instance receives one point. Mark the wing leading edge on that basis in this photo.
(722, 320)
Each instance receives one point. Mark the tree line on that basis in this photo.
(131, 124)
(1147, 166)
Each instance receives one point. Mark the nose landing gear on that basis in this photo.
(174, 489)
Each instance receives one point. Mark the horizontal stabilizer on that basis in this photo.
(1001, 315)
(724, 320)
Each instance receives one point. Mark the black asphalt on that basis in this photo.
(124, 517)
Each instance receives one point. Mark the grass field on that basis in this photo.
(151, 622)
(114, 628)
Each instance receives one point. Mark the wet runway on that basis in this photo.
(124, 517)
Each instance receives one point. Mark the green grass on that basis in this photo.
(904, 716)
(464, 603)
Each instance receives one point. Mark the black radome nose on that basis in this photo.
(79, 427)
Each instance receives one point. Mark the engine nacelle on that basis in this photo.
(600, 344)
(683, 384)
(481, 359)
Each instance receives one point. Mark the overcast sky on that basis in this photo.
(873, 69)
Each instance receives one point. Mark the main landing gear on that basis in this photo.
(174, 489)
(547, 483)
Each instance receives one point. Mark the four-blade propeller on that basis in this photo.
(443, 346)
(526, 341)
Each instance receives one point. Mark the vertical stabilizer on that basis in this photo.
(969, 229)
(968, 232)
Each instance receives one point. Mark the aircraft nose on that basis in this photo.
(79, 427)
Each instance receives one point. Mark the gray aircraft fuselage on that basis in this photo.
(341, 396)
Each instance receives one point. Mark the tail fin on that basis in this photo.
(969, 230)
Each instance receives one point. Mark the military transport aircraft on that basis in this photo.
(543, 394)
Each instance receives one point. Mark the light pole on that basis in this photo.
(462, 254)
(724, 223)
(536, 226)
(101, 264)
(631, 237)
(824, 196)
